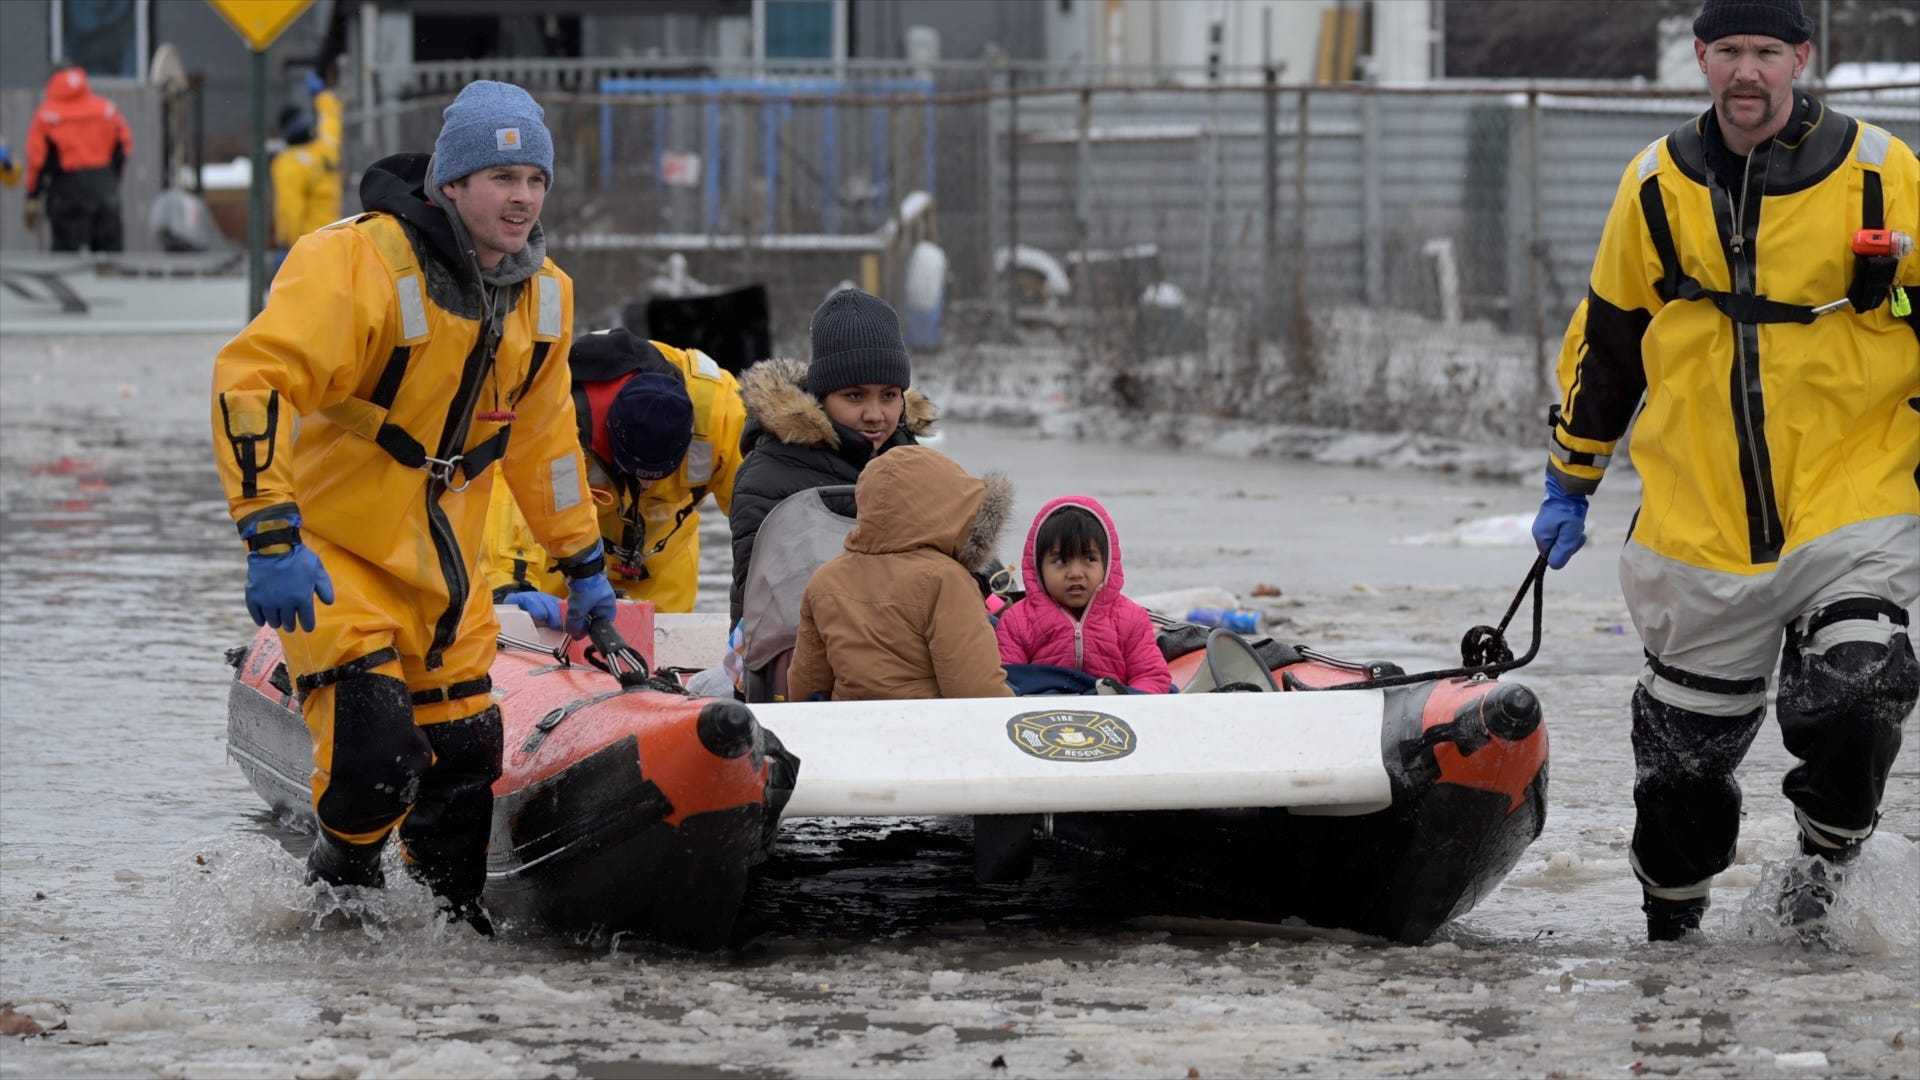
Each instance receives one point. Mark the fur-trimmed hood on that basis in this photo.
(779, 407)
(916, 497)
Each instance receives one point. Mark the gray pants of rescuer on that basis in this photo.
(1835, 612)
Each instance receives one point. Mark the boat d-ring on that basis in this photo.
(443, 470)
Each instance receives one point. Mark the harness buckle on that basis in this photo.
(443, 470)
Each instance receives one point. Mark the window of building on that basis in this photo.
(799, 29)
(106, 37)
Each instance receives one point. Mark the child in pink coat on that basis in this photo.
(1073, 614)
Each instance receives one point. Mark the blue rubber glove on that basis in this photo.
(314, 83)
(544, 609)
(588, 598)
(281, 588)
(1560, 528)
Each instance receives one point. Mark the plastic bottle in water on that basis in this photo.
(1240, 622)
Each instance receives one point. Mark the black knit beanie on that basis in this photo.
(1783, 19)
(856, 340)
(650, 424)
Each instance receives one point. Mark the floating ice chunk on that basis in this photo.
(1802, 1059)
(1503, 530)
(945, 980)
(138, 1015)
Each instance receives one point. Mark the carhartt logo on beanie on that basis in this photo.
(856, 340)
(491, 123)
(650, 425)
(1783, 19)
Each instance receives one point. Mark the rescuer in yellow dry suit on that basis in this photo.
(409, 345)
(306, 194)
(1779, 456)
(661, 430)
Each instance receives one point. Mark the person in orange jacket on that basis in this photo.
(77, 147)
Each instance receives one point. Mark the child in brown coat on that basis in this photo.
(899, 616)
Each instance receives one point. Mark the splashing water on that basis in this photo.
(244, 896)
(1876, 908)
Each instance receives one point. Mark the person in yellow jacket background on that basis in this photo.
(414, 346)
(329, 115)
(306, 187)
(661, 430)
(1779, 456)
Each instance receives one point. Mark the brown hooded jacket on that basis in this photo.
(898, 616)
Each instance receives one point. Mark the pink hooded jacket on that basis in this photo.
(1113, 638)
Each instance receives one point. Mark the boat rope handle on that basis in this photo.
(1483, 650)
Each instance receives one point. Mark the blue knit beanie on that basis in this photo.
(491, 123)
(650, 424)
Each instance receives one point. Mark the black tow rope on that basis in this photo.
(1483, 650)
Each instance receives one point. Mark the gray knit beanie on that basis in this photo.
(856, 340)
(1783, 19)
(491, 123)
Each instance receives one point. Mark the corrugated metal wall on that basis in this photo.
(1386, 175)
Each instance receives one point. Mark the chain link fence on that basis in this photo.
(1332, 254)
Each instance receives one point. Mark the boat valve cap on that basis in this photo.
(727, 729)
(1513, 713)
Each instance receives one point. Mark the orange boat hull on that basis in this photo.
(632, 810)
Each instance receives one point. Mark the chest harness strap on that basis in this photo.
(368, 417)
(1676, 284)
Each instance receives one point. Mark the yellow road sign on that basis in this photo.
(260, 21)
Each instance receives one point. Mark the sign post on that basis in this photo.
(259, 23)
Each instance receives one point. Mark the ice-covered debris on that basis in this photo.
(136, 1015)
(1175, 603)
(1038, 262)
(946, 980)
(16, 1024)
(1501, 530)
(1163, 294)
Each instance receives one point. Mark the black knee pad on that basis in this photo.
(1680, 747)
(472, 746)
(1686, 801)
(1859, 686)
(379, 755)
(446, 835)
(1840, 713)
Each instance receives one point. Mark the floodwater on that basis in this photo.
(155, 922)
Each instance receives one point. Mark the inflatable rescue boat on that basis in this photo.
(1387, 809)
(626, 809)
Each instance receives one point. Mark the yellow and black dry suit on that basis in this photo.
(1779, 453)
(652, 530)
(371, 398)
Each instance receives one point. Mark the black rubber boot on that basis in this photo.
(444, 839)
(1808, 893)
(337, 862)
(471, 913)
(1673, 920)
